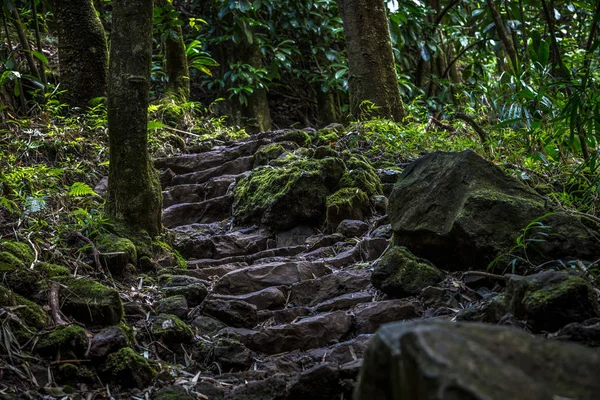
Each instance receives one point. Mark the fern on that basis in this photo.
(79, 189)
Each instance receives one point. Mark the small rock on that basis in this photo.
(315, 291)
(107, 341)
(171, 330)
(586, 332)
(129, 369)
(380, 204)
(194, 294)
(207, 325)
(344, 301)
(236, 313)
(369, 317)
(176, 305)
(269, 298)
(228, 353)
(352, 228)
(65, 339)
(317, 383)
(400, 273)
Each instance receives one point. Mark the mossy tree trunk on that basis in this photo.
(133, 188)
(372, 72)
(82, 51)
(176, 65)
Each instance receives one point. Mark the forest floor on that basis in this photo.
(265, 307)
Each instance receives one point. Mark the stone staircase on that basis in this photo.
(287, 315)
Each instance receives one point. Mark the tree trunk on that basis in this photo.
(134, 193)
(176, 65)
(24, 42)
(82, 51)
(372, 72)
(507, 42)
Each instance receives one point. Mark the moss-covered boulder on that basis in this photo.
(286, 196)
(549, 300)
(90, 302)
(400, 273)
(171, 330)
(346, 203)
(116, 253)
(21, 251)
(28, 311)
(20, 279)
(176, 305)
(362, 175)
(65, 339)
(461, 212)
(301, 138)
(272, 151)
(129, 369)
(328, 135)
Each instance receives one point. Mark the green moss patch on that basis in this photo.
(63, 338)
(346, 203)
(31, 313)
(20, 279)
(129, 369)
(52, 270)
(301, 138)
(22, 251)
(170, 329)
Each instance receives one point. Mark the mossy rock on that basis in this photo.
(65, 338)
(171, 330)
(140, 238)
(176, 305)
(272, 151)
(22, 251)
(324, 152)
(52, 270)
(129, 369)
(116, 253)
(167, 256)
(328, 135)
(301, 138)
(346, 203)
(194, 293)
(286, 196)
(361, 174)
(549, 300)
(22, 280)
(400, 273)
(10, 261)
(173, 393)
(31, 313)
(90, 302)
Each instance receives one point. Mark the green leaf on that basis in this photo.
(155, 125)
(80, 189)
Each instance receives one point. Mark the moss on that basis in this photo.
(267, 153)
(328, 136)
(162, 248)
(52, 270)
(128, 332)
(21, 251)
(400, 273)
(170, 329)
(545, 296)
(346, 203)
(90, 302)
(129, 368)
(173, 393)
(301, 138)
(9, 262)
(115, 244)
(66, 337)
(361, 174)
(32, 313)
(324, 151)
(21, 280)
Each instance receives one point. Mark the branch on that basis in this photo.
(55, 304)
(471, 122)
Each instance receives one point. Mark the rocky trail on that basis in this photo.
(296, 257)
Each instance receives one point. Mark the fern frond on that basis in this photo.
(79, 189)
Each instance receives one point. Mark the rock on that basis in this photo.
(344, 301)
(265, 299)
(586, 332)
(361, 175)
(133, 311)
(166, 177)
(234, 313)
(445, 360)
(207, 325)
(116, 252)
(285, 316)
(551, 299)
(67, 340)
(436, 297)
(399, 273)
(108, 340)
(196, 193)
(320, 382)
(347, 203)
(272, 151)
(228, 353)
(51, 270)
(369, 317)
(383, 231)
(342, 353)
(194, 293)
(129, 369)
(303, 335)
(90, 302)
(352, 228)
(315, 291)
(18, 278)
(28, 311)
(271, 388)
(286, 196)
(240, 242)
(208, 273)
(171, 393)
(233, 167)
(294, 237)
(298, 137)
(460, 211)
(371, 248)
(176, 305)
(491, 311)
(212, 210)
(255, 278)
(171, 330)
(21, 252)
(380, 204)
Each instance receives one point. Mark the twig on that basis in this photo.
(35, 252)
(94, 249)
(55, 304)
(471, 122)
(180, 131)
(485, 275)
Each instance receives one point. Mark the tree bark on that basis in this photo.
(134, 193)
(176, 65)
(507, 42)
(82, 51)
(372, 72)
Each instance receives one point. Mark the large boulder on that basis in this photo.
(444, 360)
(462, 212)
(282, 197)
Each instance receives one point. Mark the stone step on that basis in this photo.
(234, 167)
(314, 291)
(254, 278)
(195, 193)
(212, 210)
